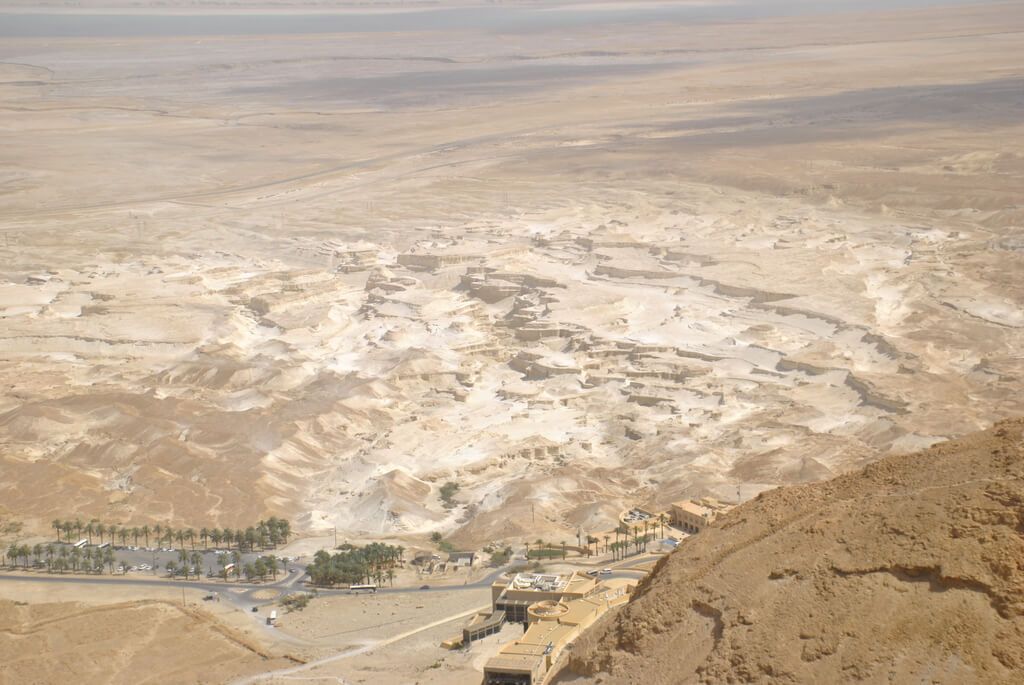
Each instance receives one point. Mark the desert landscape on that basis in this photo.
(320, 260)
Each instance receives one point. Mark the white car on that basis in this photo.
(605, 571)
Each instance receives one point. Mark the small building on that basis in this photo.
(459, 559)
(694, 517)
(483, 625)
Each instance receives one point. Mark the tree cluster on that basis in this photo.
(296, 601)
(231, 564)
(356, 565)
(447, 493)
(61, 559)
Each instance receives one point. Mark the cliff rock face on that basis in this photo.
(908, 571)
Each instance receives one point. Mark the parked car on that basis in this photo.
(605, 571)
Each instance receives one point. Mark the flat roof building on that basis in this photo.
(514, 596)
(694, 517)
(553, 624)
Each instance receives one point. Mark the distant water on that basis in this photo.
(495, 19)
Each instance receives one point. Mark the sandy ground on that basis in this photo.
(109, 635)
(387, 638)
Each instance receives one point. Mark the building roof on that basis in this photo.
(692, 507)
(513, 662)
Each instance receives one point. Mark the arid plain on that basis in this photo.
(669, 258)
(572, 258)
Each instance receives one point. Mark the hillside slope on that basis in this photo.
(908, 571)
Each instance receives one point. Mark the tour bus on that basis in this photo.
(81, 543)
(362, 588)
(103, 546)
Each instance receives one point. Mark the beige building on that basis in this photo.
(694, 517)
(515, 596)
(552, 625)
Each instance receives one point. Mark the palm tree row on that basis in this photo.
(620, 549)
(61, 559)
(264, 534)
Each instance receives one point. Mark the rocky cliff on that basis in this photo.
(908, 571)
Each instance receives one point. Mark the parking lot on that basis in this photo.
(153, 560)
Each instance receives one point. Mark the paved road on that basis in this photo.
(244, 594)
(239, 593)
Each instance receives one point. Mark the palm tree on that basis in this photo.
(78, 527)
(37, 552)
(89, 528)
(662, 520)
(222, 561)
(158, 532)
(191, 535)
(183, 559)
(63, 558)
(606, 539)
(204, 536)
(145, 533)
(271, 562)
(76, 556)
(197, 562)
(261, 534)
(108, 557)
(50, 551)
(57, 524)
(391, 576)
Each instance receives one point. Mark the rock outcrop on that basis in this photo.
(908, 571)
